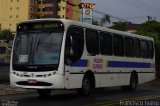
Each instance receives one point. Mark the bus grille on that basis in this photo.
(25, 83)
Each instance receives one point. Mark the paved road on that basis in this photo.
(147, 94)
(4, 70)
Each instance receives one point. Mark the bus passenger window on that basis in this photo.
(129, 45)
(137, 48)
(92, 42)
(118, 45)
(106, 44)
(74, 45)
(151, 49)
(144, 49)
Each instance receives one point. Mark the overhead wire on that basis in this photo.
(100, 12)
(141, 5)
(149, 5)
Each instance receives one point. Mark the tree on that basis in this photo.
(119, 26)
(95, 22)
(105, 19)
(6, 35)
(152, 29)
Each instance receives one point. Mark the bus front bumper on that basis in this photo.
(51, 82)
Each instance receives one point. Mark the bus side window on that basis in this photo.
(106, 43)
(92, 42)
(74, 45)
(151, 49)
(118, 45)
(137, 48)
(144, 49)
(129, 45)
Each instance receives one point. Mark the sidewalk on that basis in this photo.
(6, 89)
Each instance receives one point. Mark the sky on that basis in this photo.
(135, 11)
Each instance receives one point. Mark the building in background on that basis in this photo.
(12, 12)
(5, 51)
(15, 11)
(132, 27)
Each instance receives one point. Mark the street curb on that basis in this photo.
(18, 93)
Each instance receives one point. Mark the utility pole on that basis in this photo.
(149, 18)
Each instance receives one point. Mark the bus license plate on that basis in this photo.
(32, 81)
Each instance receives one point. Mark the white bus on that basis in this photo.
(63, 54)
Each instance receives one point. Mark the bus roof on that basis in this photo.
(71, 22)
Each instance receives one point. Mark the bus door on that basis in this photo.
(73, 53)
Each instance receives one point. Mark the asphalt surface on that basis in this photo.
(146, 95)
(4, 70)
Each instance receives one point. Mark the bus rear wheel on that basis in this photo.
(133, 82)
(44, 92)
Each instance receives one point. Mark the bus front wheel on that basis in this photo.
(86, 86)
(44, 92)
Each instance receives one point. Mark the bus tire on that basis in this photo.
(86, 86)
(133, 82)
(44, 92)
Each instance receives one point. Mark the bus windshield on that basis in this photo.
(37, 46)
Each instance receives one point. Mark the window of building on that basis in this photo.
(11, 0)
(74, 45)
(10, 8)
(43, 9)
(17, 16)
(10, 24)
(118, 45)
(10, 16)
(129, 47)
(144, 49)
(17, 8)
(137, 48)
(38, 10)
(92, 41)
(39, 2)
(2, 50)
(106, 43)
(17, 0)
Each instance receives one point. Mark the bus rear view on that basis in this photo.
(36, 55)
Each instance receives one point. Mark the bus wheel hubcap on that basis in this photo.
(86, 85)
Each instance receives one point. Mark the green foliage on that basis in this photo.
(152, 29)
(149, 28)
(105, 19)
(119, 26)
(6, 35)
(95, 22)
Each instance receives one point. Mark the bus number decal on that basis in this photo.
(23, 58)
